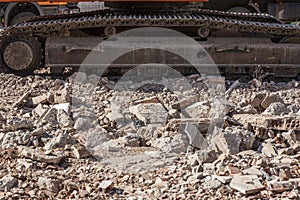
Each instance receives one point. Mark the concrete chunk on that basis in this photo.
(281, 186)
(185, 102)
(8, 182)
(39, 99)
(150, 113)
(48, 184)
(80, 151)
(21, 100)
(246, 184)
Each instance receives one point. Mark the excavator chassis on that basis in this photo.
(239, 44)
(235, 57)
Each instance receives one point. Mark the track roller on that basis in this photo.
(20, 54)
(110, 31)
(203, 32)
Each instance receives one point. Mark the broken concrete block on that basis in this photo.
(271, 98)
(40, 99)
(80, 151)
(220, 108)
(22, 100)
(150, 113)
(16, 123)
(82, 124)
(177, 144)
(63, 96)
(185, 102)
(257, 99)
(196, 139)
(50, 184)
(7, 182)
(39, 110)
(63, 106)
(39, 155)
(267, 149)
(290, 136)
(281, 186)
(246, 184)
(197, 110)
(226, 141)
(49, 116)
(252, 171)
(116, 116)
(60, 141)
(19, 137)
(276, 108)
(208, 155)
(283, 123)
(106, 185)
(147, 132)
(247, 137)
(223, 179)
(64, 120)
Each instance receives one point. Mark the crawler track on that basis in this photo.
(215, 20)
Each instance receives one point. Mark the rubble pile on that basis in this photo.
(86, 136)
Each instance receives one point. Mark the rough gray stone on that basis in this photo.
(257, 99)
(60, 141)
(82, 124)
(16, 123)
(290, 136)
(208, 155)
(212, 184)
(228, 142)
(50, 184)
(195, 137)
(16, 138)
(64, 120)
(276, 108)
(7, 182)
(49, 116)
(79, 151)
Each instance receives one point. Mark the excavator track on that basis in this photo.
(213, 20)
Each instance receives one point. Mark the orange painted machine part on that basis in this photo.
(46, 1)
